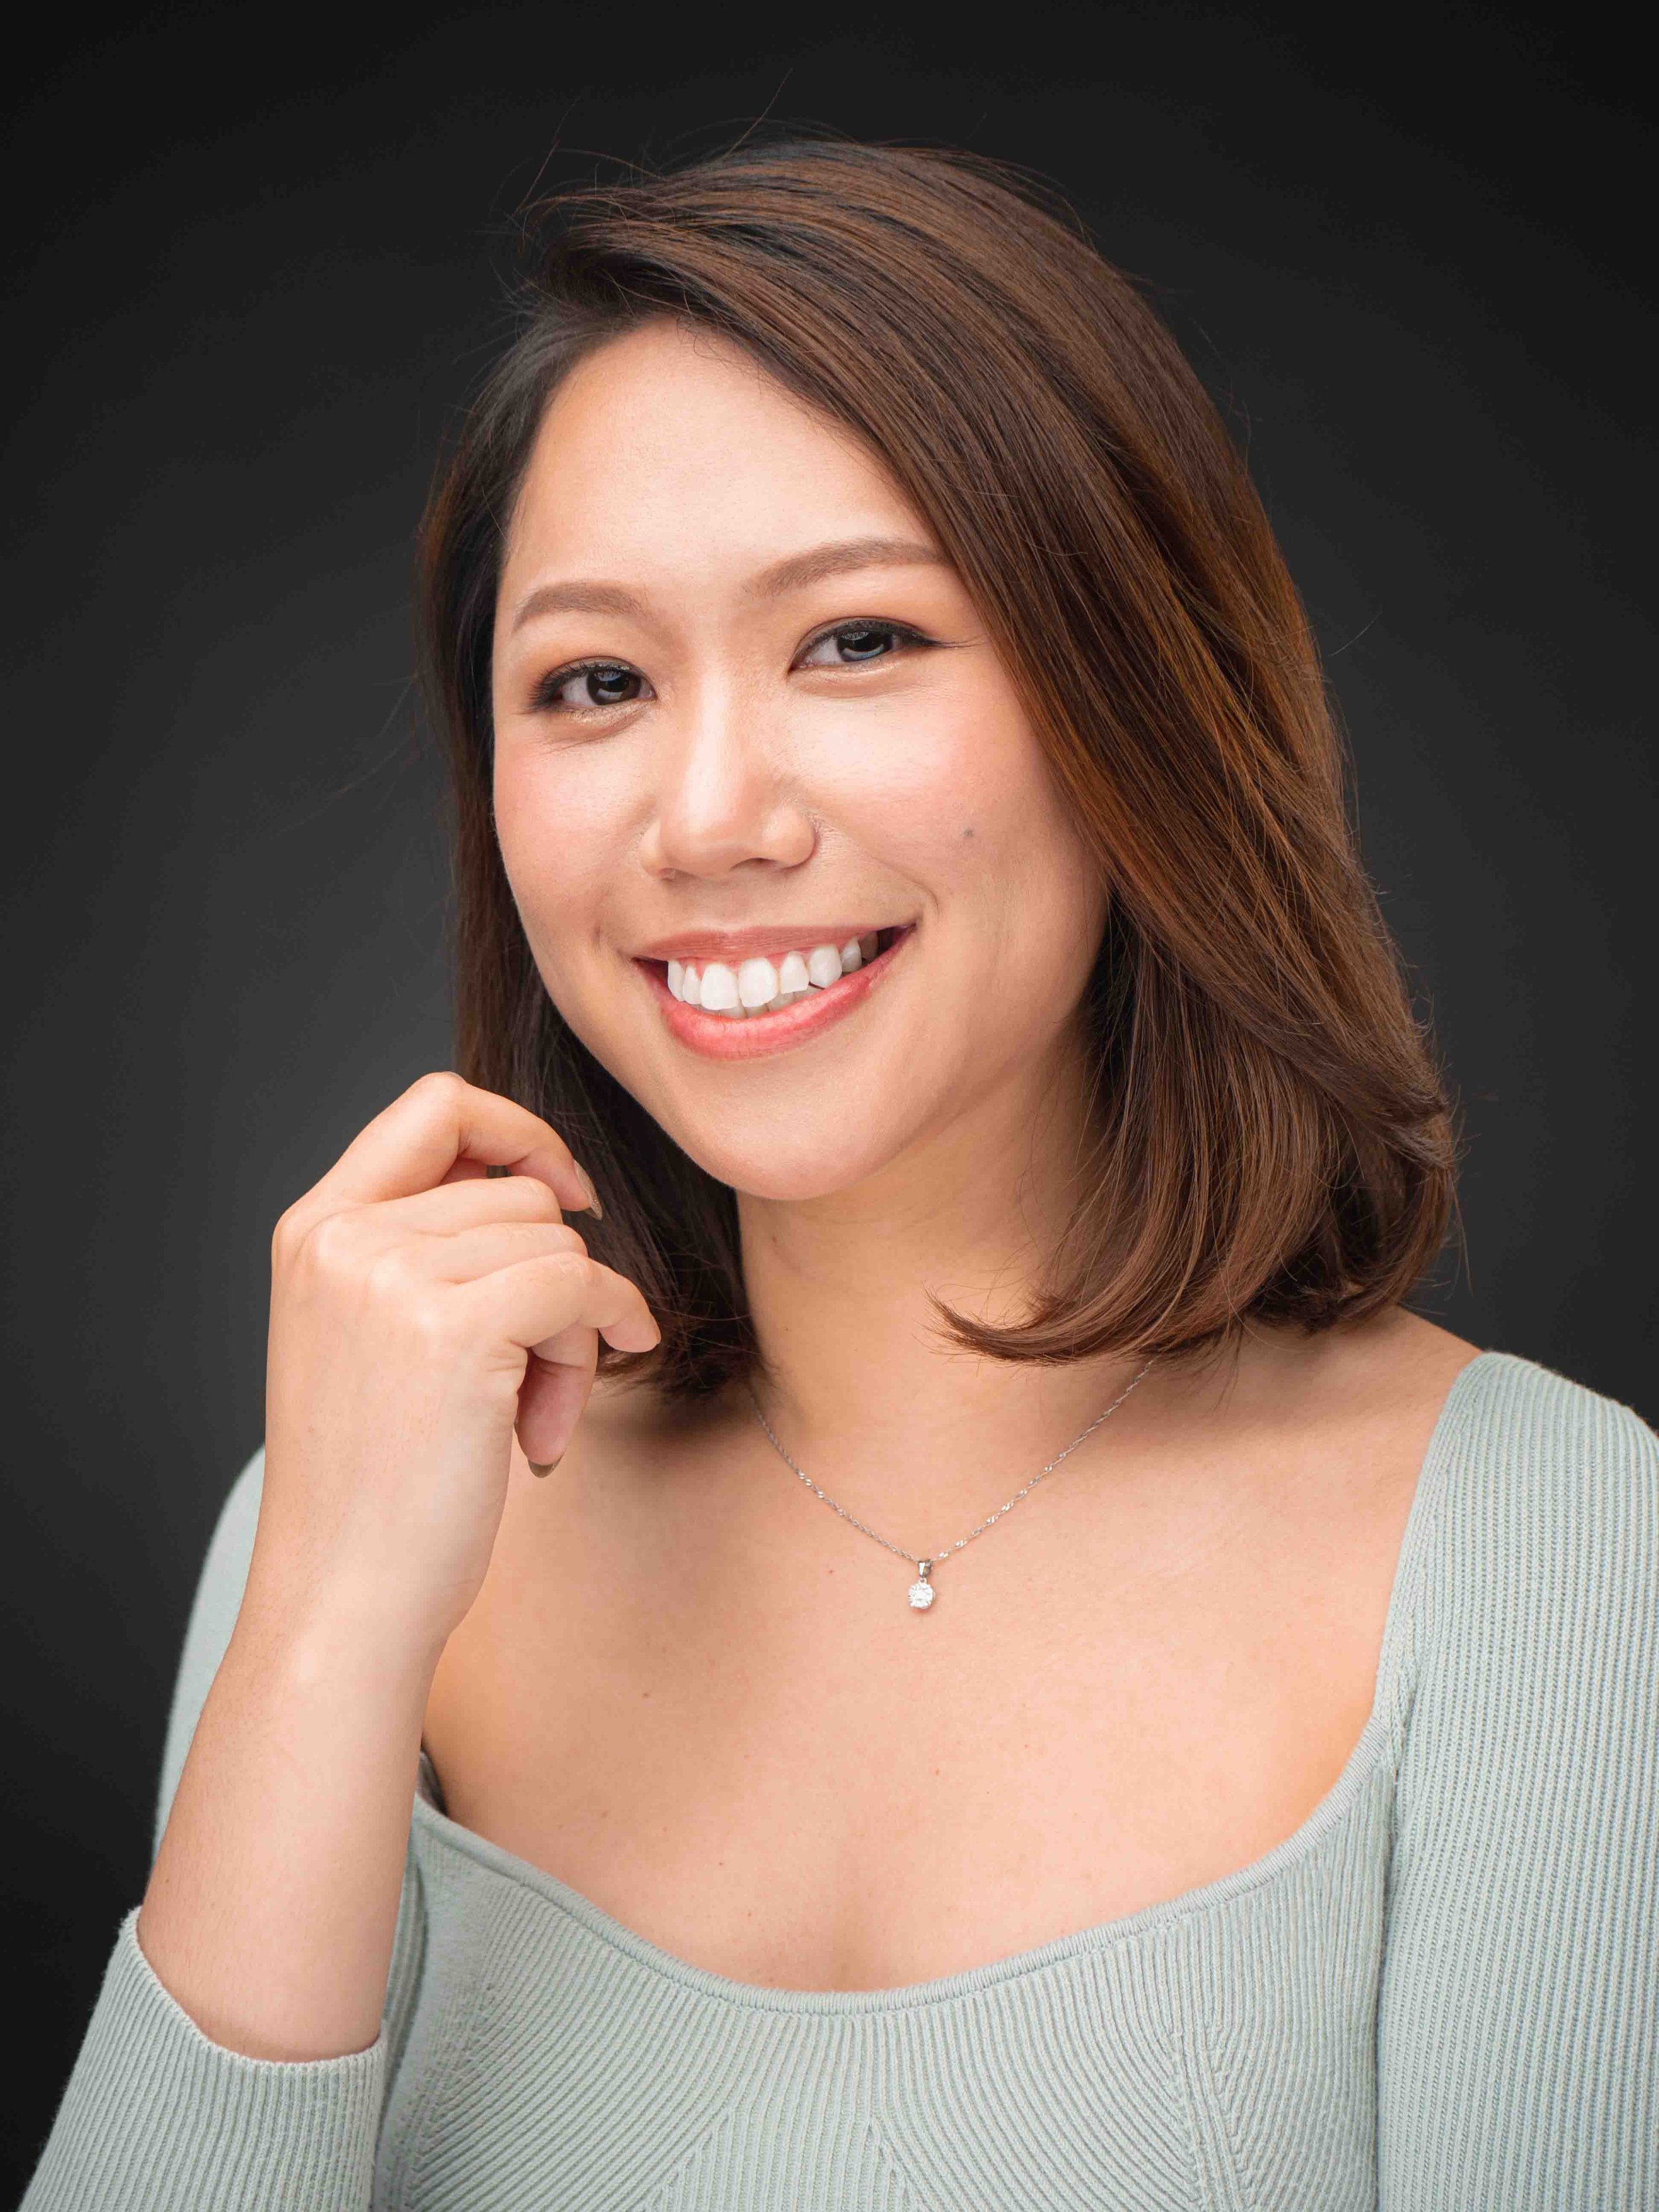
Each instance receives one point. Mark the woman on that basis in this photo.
(902, 857)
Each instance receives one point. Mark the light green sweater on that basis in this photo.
(1440, 1995)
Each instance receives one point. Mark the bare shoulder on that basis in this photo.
(1393, 1361)
(1382, 1385)
(1396, 1359)
(1345, 1416)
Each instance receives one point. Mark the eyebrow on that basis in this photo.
(576, 598)
(839, 559)
(793, 573)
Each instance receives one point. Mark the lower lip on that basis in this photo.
(722, 1037)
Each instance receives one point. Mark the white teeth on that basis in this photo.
(720, 988)
(765, 986)
(757, 983)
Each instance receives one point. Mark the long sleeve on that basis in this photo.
(1518, 2012)
(158, 2117)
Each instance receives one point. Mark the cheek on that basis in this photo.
(960, 783)
(1008, 848)
(556, 839)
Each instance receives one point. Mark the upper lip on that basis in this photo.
(758, 941)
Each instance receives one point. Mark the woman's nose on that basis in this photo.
(726, 790)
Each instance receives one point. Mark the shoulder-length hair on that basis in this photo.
(1270, 1138)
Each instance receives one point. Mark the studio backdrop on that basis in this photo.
(256, 267)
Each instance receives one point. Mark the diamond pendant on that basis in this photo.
(922, 1591)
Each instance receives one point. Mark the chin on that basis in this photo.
(789, 1176)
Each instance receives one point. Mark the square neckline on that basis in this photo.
(907, 1996)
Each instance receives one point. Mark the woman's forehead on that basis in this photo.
(664, 437)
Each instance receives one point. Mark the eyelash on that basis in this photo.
(546, 697)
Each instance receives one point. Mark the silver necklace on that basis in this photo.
(921, 1592)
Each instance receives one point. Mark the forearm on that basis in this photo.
(272, 1907)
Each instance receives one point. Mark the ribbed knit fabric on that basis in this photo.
(1440, 1995)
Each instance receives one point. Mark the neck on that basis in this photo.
(863, 1387)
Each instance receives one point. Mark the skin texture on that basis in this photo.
(750, 787)
(687, 1688)
(418, 1309)
(667, 1674)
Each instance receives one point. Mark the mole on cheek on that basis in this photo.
(969, 831)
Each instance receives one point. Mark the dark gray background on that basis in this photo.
(257, 264)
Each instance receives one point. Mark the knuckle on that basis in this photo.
(326, 1247)
(440, 1084)
(385, 1273)
(533, 1196)
(429, 1321)
(540, 1240)
(567, 1270)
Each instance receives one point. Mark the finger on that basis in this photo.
(496, 1245)
(472, 1204)
(432, 1218)
(530, 1304)
(413, 1144)
(466, 1170)
(553, 1395)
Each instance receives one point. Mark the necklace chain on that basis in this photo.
(925, 1562)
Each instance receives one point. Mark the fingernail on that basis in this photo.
(545, 1466)
(593, 1206)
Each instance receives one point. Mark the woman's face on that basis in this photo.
(744, 711)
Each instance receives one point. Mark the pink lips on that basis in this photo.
(717, 1037)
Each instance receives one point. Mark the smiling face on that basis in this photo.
(745, 714)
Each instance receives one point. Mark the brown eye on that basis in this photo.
(855, 644)
(610, 687)
(865, 644)
(597, 683)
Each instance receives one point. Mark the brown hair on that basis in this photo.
(1271, 1138)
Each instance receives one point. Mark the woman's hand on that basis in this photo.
(422, 1309)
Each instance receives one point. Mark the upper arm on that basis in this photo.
(1518, 2009)
(212, 1616)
